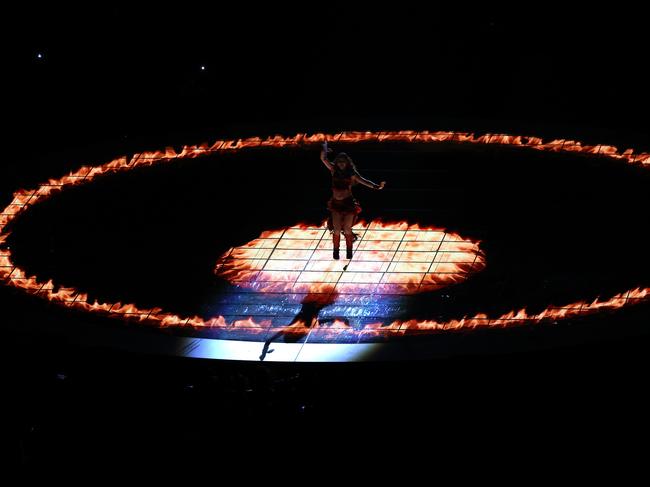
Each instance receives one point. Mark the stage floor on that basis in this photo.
(226, 255)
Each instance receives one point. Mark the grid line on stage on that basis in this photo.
(390, 261)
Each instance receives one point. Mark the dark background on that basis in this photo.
(116, 73)
(113, 79)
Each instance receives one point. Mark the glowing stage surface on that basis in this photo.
(279, 296)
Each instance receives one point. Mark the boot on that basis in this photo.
(348, 246)
(337, 241)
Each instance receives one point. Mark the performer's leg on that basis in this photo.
(337, 223)
(347, 231)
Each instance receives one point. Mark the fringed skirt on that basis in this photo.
(346, 205)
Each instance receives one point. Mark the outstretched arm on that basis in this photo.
(323, 157)
(366, 182)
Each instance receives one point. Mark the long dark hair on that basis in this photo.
(350, 168)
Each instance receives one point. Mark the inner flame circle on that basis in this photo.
(389, 258)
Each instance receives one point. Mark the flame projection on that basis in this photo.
(12, 275)
(389, 258)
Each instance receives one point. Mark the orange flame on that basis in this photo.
(73, 298)
(390, 258)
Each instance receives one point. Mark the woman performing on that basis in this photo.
(344, 208)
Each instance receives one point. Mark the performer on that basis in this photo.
(344, 208)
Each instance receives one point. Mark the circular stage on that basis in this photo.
(221, 250)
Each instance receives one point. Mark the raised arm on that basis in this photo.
(323, 157)
(366, 182)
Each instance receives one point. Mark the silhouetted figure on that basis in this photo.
(344, 208)
(307, 317)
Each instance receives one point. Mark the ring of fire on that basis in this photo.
(12, 275)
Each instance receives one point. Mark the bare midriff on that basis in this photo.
(341, 194)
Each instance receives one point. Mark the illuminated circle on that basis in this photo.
(389, 258)
(73, 298)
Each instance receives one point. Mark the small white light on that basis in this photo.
(202, 68)
(39, 55)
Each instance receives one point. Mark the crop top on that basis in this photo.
(341, 180)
